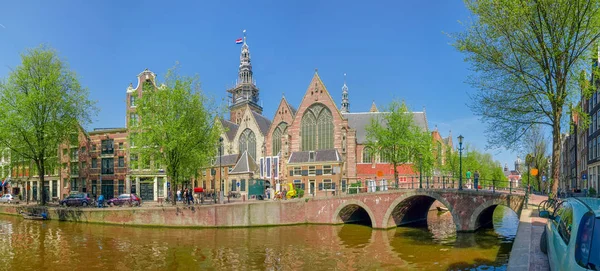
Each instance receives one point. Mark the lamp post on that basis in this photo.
(460, 149)
(221, 193)
(420, 170)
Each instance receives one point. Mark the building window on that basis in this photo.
(233, 184)
(54, 188)
(74, 154)
(327, 170)
(74, 184)
(108, 166)
(132, 140)
(317, 128)
(120, 145)
(121, 161)
(64, 152)
(83, 149)
(133, 119)
(367, 156)
(83, 164)
(277, 134)
(94, 163)
(247, 142)
(74, 169)
(326, 185)
(145, 163)
(262, 168)
(268, 166)
(107, 146)
(132, 99)
(297, 171)
(243, 185)
(121, 187)
(312, 170)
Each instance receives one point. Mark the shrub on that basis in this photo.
(300, 192)
(354, 188)
(592, 192)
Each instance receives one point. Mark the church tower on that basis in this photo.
(345, 102)
(245, 91)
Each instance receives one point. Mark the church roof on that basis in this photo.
(245, 165)
(360, 121)
(226, 160)
(330, 155)
(263, 123)
(231, 128)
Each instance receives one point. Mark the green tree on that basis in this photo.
(527, 56)
(43, 106)
(176, 127)
(395, 135)
(536, 144)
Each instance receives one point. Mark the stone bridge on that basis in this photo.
(470, 209)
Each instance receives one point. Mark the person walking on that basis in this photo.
(476, 179)
(179, 195)
(468, 175)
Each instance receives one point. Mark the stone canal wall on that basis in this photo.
(382, 210)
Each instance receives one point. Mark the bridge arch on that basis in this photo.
(414, 206)
(354, 211)
(482, 216)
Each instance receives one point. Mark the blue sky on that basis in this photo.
(393, 49)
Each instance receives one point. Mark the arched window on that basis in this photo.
(367, 155)
(247, 142)
(317, 128)
(280, 130)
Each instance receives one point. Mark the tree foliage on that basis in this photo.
(535, 144)
(43, 105)
(473, 160)
(395, 136)
(527, 58)
(176, 127)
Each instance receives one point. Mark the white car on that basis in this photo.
(7, 198)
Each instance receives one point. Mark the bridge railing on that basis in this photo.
(432, 182)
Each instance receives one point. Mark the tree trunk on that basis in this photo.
(41, 191)
(556, 141)
(174, 188)
(396, 174)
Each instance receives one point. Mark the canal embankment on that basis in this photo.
(526, 253)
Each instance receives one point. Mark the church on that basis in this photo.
(316, 146)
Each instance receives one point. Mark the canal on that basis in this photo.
(52, 245)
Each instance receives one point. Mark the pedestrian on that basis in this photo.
(468, 175)
(190, 197)
(476, 179)
(179, 195)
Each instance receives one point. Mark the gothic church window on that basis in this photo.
(367, 155)
(247, 142)
(317, 128)
(280, 130)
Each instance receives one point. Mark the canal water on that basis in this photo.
(52, 245)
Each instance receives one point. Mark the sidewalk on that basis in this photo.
(526, 253)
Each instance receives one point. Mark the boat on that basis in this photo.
(442, 209)
(34, 216)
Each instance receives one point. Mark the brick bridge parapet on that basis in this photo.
(470, 209)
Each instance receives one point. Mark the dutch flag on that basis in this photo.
(239, 41)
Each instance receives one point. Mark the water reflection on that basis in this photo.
(49, 245)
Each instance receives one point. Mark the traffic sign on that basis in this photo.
(543, 178)
(379, 173)
(534, 171)
(584, 176)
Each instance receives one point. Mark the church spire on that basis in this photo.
(245, 91)
(345, 102)
(373, 108)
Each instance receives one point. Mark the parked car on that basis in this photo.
(125, 199)
(7, 198)
(571, 237)
(76, 200)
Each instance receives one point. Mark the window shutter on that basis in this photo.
(303, 188)
(305, 172)
(291, 173)
(333, 186)
(320, 186)
(319, 172)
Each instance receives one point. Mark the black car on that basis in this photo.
(76, 200)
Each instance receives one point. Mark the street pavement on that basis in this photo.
(526, 253)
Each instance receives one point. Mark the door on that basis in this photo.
(311, 187)
(35, 189)
(108, 189)
(561, 234)
(147, 191)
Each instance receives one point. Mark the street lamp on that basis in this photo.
(460, 149)
(221, 195)
(420, 170)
